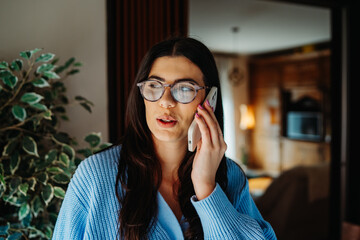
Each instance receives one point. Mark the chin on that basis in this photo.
(168, 137)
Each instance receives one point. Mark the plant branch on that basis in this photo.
(19, 88)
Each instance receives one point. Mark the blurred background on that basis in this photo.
(282, 66)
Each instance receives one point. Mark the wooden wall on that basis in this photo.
(272, 78)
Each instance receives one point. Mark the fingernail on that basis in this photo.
(197, 115)
(207, 102)
(201, 107)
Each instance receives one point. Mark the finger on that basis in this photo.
(212, 113)
(211, 123)
(205, 133)
(221, 136)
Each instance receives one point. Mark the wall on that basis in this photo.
(233, 95)
(66, 28)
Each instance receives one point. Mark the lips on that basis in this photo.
(166, 121)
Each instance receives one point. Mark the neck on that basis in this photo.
(170, 155)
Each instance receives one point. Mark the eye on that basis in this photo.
(186, 87)
(154, 85)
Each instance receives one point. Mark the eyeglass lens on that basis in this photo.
(183, 92)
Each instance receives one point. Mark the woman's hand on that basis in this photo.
(210, 151)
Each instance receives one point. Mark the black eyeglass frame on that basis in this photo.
(197, 88)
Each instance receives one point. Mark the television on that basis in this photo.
(305, 125)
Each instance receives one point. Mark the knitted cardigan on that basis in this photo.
(90, 207)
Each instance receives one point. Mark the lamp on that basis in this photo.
(247, 122)
(247, 119)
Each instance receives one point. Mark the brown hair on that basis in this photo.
(139, 171)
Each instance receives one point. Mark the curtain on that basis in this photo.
(133, 27)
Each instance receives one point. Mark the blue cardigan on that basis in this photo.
(90, 207)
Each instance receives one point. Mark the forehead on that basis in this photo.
(174, 68)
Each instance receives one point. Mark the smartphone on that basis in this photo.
(194, 133)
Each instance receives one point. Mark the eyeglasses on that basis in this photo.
(182, 91)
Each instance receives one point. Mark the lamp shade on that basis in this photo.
(247, 119)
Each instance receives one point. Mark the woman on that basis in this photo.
(163, 191)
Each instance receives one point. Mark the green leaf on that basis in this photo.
(2, 180)
(46, 67)
(32, 183)
(23, 188)
(9, 147)
(78, 64)
(80, 98)
(51, 156)
(17, 64)
(61, 138)
(85, 152)
(31, 98)
(51, 75)
(69, 151)
(4, 229)
(64, 159)
(30, 146)
(86, 106)
(26, 54)
(54, 170)
(53, 62)
(59, 69)
(14, 162)
(24, 211)
(59, 192)
(104, 145)
(40, 83)
(45, 57)
(93, 139)
(27, 220)
(5, 73)
(36, 205)
(47, 115)
(69, 62)
(15, 236)
(61, 178)
(74, 71)
(39, 106)
(48, 232)
(64, 117)
(19, 113)
(42, 177)
(14, 183)
(47, 193)
(35, 50)
(10, 81)
(4, 65)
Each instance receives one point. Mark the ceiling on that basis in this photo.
(263, 26)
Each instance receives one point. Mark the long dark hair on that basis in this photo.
(139, 171)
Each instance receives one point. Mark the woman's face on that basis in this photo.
(167, 119)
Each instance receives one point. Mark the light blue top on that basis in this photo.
(90, 207)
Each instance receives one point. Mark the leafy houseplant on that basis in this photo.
(37, 160)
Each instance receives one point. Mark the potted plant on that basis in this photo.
(36, 159)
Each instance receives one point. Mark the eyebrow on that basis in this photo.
(177, 80)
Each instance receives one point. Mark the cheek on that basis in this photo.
(148, 112)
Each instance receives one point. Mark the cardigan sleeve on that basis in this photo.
(237, 218)
(72, 218)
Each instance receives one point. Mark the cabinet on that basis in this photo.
(277, 84)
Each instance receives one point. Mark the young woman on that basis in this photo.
(150, 186)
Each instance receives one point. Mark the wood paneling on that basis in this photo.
(299, 75)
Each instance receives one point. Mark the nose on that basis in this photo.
(167, 100)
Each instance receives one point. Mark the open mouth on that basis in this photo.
(166, 121)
